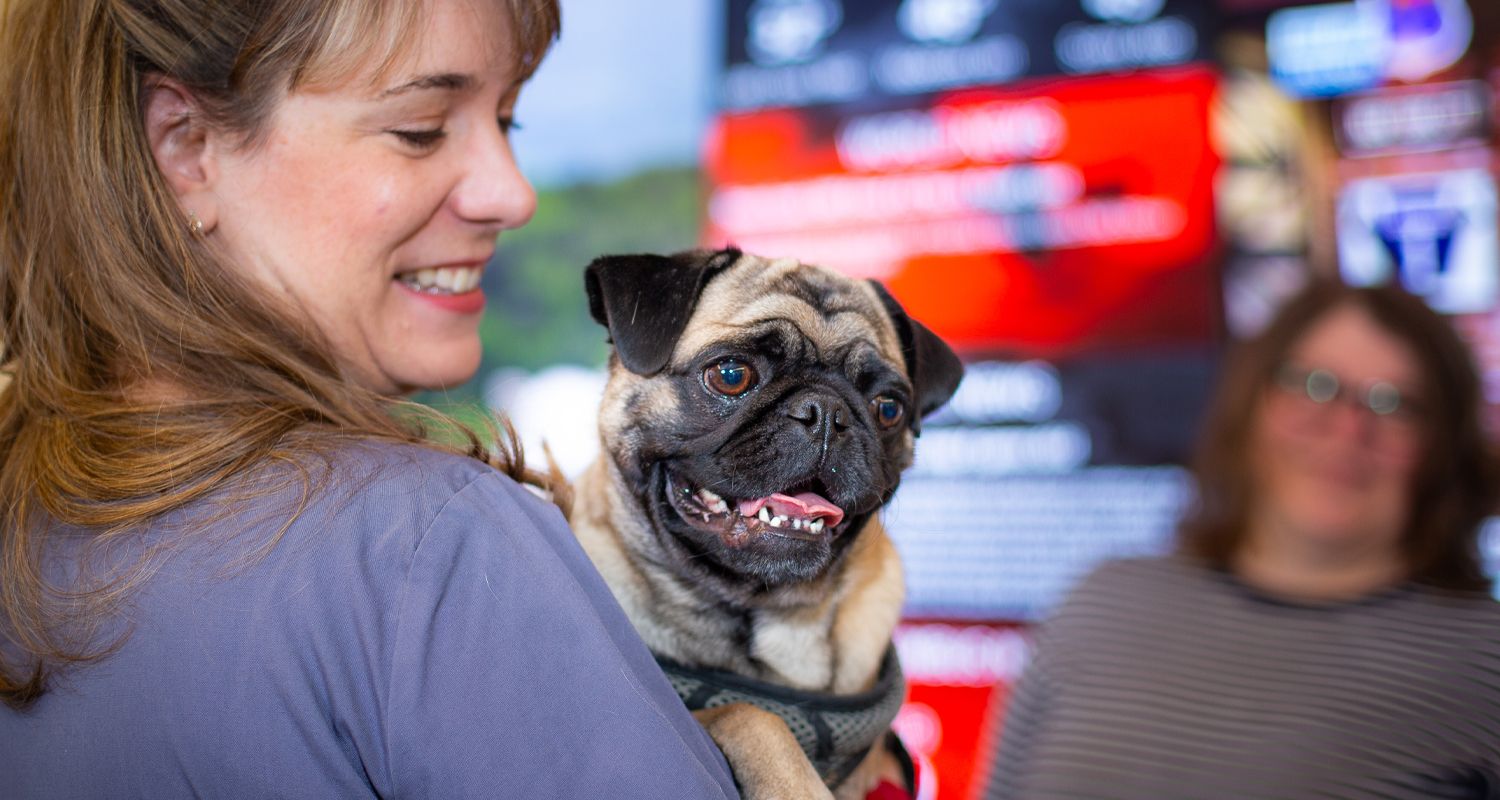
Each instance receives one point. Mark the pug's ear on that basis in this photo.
(932, 366)
(646, 300)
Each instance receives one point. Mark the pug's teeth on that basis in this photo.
(765, 516)
(778, 522)
(816, 526)
(796, 524)
(705, 516)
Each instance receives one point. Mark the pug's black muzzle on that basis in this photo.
(779, 499)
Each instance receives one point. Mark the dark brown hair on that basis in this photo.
(103, 292)
(1454, 488)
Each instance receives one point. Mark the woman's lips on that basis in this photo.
(453, 288)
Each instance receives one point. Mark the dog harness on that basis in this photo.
(836, 731)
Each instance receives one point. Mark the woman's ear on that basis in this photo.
(183, 146)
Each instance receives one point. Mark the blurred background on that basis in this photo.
(1088, 198)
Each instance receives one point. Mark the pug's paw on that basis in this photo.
(767, 762)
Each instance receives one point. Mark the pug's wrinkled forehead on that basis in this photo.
(647, 301)
(756, 298)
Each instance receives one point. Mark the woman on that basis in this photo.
(231, 234)
(1324, 629)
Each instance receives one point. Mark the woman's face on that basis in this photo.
(372, 207)
(1328, 469)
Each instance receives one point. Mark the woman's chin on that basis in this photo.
(437, 369)
(1333, 526)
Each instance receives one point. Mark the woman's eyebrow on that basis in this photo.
(449, 81)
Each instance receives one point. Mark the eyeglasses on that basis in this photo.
(1322, 387)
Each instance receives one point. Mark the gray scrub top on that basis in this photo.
(424, 628)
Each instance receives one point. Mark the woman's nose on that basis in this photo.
(1350, 419)
(492, 190)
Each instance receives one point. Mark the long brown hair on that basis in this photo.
(1454, 487)
(103, 291)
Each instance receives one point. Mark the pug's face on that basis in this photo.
(759, 411)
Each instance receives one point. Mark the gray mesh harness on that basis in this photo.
(835, 731)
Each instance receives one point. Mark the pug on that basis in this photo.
(758, 414)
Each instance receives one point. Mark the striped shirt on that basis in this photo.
(1160, 679)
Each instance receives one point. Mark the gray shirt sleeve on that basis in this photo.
(515, 673)
(422, 627)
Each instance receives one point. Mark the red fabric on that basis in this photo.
(888, 791)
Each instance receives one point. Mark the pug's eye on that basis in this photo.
(888, 411)
(730, 378)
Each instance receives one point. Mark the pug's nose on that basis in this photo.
(826, 418)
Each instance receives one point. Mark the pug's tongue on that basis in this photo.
(806, 505)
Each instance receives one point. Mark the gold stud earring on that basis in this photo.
(195, 225)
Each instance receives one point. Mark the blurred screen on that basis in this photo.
(989, 212)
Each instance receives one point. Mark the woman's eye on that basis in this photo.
(508, 124)
(888, 411)
(423, 139)
(730, 378)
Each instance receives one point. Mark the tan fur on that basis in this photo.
(826, 634)
(767, 762)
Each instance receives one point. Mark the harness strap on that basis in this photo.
(835, 731)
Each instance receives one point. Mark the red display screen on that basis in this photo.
(1046, 220)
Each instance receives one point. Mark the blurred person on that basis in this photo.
(232, 235)
(1324, 628)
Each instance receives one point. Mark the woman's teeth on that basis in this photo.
(447, 280)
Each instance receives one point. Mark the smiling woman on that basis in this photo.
(372, 204)
(232, 236)
(368, 204)
(1325, 629)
